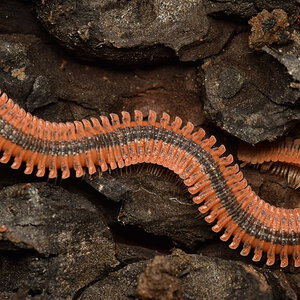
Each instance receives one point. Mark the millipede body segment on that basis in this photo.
(281, 157)
(217, 185)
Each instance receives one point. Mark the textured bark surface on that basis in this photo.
(111, 236)
(134, 32)
(181, 276)
(250, 94)
(49, 237)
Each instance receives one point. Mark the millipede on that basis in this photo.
(215, 182)
(280, 157)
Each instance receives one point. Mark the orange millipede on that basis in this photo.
(280, 157)
(217, 185)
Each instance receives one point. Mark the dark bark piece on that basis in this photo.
(134, 32)
(272, 33)
(119, 285)
(16, 16)
(57, 88)
(59, 239)
(157, 204)
(246, 9)
(109, 186)
(249, 94)
(185, 276)
(128, 254)
(160, 278)
(289, 57)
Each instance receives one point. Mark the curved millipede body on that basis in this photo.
(281, 157)
(215, 182)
